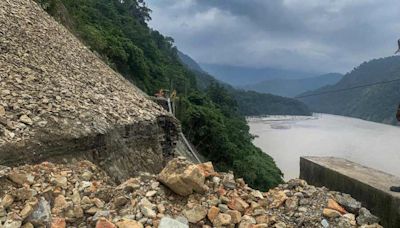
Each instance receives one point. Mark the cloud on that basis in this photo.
(308, 35)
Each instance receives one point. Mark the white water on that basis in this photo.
(287, 138)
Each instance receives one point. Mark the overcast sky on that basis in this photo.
(308, 35)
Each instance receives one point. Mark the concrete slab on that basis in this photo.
(369, 186)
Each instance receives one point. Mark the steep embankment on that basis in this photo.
(182, 195)
(375, 103)
(118, 31)
(59, 100)
(294, 87)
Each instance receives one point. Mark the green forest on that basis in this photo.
(118, 31)
(374, 103)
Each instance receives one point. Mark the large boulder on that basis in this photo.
(183, 177)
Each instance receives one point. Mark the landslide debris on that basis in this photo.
(81, 195)
(52, 85)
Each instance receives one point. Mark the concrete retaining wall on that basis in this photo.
(369, 186)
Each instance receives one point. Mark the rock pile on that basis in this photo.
(58, 100)
(182, 195)
(52, 84)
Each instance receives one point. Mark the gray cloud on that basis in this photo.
(308, 35)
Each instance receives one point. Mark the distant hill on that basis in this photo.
(239, 76)
(250, 103)
(203, 78)
(376, 103)
(293, 87)
(189, 62)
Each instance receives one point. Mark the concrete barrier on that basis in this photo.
(369, 186)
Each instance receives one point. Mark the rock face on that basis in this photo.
(97, 201)
(59, 100)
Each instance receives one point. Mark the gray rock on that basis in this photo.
(146, 207)
(148, 212)
(366, 218)
(309, 192)
(344, 223)
(292, 203)
(348, 202)
(143, 220)
(171, 223)
(41, 216)
(139, 215)
(100, 214)
(259, 211)
(296, 183)
(182, 219)
(223, 207)
(216, 180)
(87, 175)
(248, 219)
(26, 120)
(299, 195)
(324, 223)
(4, 170)
(302, 209)
(229, 181)
(304, 202)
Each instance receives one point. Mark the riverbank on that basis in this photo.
(288, 138)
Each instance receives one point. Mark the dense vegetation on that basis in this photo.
(255, 104)
(375, 103)
(118, 32)
(212, 123)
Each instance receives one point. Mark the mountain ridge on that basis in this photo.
(374, 103)
(237, 75)
(250, 103)
(293, 87)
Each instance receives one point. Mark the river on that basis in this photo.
(287, 138)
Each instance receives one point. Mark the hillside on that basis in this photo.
(376, 103)
(189, 62)
(293, 87)
(249, 103)
(60, 101)
(82, 146)
(118, 32)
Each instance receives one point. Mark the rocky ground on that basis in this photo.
(183, 194)
(49, 81)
